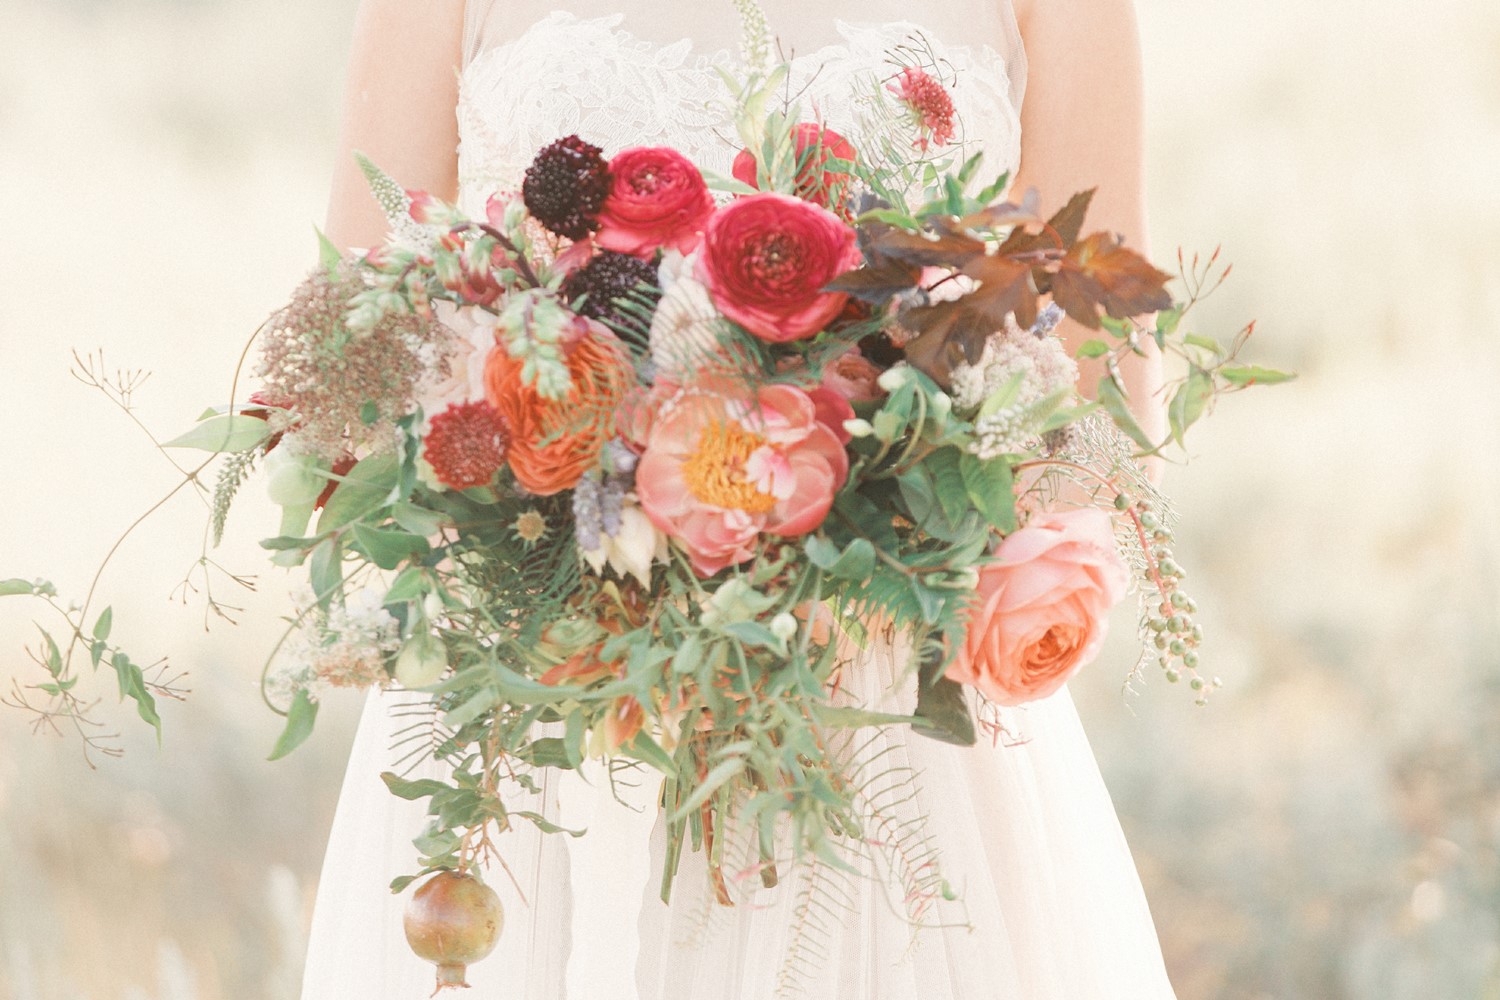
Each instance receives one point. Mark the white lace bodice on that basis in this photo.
(564, 73)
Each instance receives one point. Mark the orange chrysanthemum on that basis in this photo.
(555, 441)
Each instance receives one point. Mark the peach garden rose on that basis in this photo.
(1042, 609)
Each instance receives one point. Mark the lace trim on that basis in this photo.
(616, 89)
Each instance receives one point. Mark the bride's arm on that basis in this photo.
(1081, 127)
(398, 110)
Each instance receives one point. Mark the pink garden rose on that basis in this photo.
(1043, 609)
(657, 198)
(720, 468)
(854, 376)
(765, 260)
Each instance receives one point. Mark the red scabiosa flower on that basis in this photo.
(466, 444)
(930, 105)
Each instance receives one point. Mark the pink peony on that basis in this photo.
(657, 198)
(721, 468)
(765, 260)
(1042, 610)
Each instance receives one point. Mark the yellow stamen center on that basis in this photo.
(715, 473)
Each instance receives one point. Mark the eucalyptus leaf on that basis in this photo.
(421, 788)
(1189, 402)
(363, 491)
(389, 549)
(300, 716)
(1113, 401)
(1254, 375)
(10, 588)
(232, 432)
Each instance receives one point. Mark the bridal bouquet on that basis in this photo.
(631, 466)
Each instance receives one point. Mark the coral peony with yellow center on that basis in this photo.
(724, 464)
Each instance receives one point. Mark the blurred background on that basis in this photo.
(1327, 829)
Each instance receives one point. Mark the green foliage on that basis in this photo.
(226, 433)
(300, 716)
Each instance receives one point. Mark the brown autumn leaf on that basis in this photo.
(877, 282)
(1008, 213)
(946, 250)
(1005, 286)
(1060, 233)
(948, 333)
(1100, 272)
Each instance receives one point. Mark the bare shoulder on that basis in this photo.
(1076, 17)
(399, 99)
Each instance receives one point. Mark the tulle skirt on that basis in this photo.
(1019, 830)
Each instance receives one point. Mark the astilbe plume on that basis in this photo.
(332, 377)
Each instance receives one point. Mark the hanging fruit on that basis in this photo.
(453, 920)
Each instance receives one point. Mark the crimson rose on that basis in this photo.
(657, 198)
(766, 259)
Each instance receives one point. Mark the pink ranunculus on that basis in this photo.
(1043, 608)
(657, 198)
(766, 259)
(722, 468)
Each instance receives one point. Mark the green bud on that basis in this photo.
(1177, 647)
(1190, 660)
(1173, 677)
(1122, 502)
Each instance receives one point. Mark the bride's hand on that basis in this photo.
(399, 100)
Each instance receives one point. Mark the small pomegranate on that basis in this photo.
(452, 920)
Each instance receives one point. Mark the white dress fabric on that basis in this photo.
(1048, 903)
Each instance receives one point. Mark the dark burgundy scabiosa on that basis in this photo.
(466, 445)
(607, 276)
(566, 185)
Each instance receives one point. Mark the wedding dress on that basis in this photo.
(1047, 903)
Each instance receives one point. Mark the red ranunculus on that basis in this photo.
(766, 259)
(815, 146)
(657, 199)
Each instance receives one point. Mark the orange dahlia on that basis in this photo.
(555, 441)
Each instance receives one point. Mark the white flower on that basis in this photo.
(471, 335)
(632, 549)
(1042, 363)
(685, 328)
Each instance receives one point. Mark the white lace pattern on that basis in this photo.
(615, 89)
